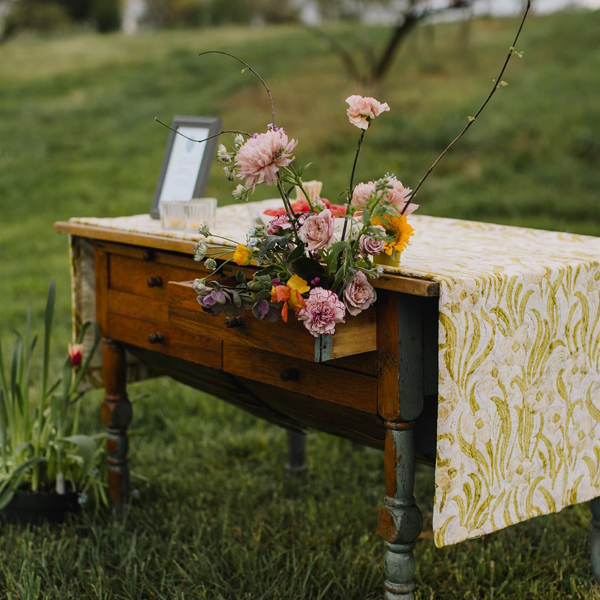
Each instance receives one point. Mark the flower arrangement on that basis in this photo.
(314, 257)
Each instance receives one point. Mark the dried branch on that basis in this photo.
(497, 83)
(253, 72)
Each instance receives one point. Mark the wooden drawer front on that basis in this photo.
(357, 335)
(316, 380)
(148, 279)
(175, 342)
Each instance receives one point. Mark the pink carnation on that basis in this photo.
(317, 230)
(359, 294)
(361, 111)
(322, 311)
(361, 194)
(398, 196)
(260, 158)
(277, 223)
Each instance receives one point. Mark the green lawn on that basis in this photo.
(215, 517)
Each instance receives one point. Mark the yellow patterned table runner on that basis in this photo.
(519, 364)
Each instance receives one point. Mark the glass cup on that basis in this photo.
(172, 214)
(200, 210)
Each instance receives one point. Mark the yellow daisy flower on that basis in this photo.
(399, 228)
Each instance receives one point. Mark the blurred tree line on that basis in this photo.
(52, 15)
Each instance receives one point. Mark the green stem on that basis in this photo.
(351, 188)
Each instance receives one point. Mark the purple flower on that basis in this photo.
(369, 245)
(359, 294)
(277, 223)
(322, 312)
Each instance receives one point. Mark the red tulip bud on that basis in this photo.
(76, 354)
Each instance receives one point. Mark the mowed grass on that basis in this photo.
(215, 517)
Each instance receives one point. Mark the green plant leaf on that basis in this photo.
(87, 448)
(309, 268)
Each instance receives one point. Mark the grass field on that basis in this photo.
(215, 517)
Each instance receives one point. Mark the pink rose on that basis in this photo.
(361, 194)
(369, 245)
(322, 311)
(277, 223)
(359, 294)
(317, 230)
(260, 158)
(361, 111)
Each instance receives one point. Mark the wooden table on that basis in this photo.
(376, 384)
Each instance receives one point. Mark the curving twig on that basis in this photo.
(210, 137)
(252, 71)
(497, 83)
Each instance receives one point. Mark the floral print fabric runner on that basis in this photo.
(519, 364)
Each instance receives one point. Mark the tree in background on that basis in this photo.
(404, 14)
(50, 15)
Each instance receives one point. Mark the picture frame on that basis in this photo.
(186, 164)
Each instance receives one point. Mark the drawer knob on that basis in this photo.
(156, 338)
(148, 255)
(154, 282)
(289, 375)
(234, 321)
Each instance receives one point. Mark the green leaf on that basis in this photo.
(309, 268)
(240, 277)
(333, 253)
(87, 447)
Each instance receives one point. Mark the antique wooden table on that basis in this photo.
(375, 384)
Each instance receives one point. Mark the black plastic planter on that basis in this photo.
(36, 509)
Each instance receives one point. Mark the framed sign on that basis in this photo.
(186, 164)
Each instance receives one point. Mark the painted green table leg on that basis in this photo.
(400, 520)
(595, 538)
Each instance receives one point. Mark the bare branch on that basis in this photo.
(252, 71)
(497, 83)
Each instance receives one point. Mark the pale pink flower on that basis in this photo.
(369, 245)
(361, 111)
(361, 194)
(322, 312)
(396, 195)
(317, 231)
(399, 195)
(261, 157)
(359, 294)
(277, 223)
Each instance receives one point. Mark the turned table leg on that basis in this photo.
(116, 416)
(296, 453)
(400, 519)
(595, 538)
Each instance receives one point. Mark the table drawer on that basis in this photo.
(161, 338)
(356, 336)
(145, 278)
(322, 382)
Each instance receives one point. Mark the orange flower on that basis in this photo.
(290, 295)
(242, 255)
(399, 228)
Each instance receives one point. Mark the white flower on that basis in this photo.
(555, 418)
(580, 434)
(477, 425)
(539, 396)
(519, 470)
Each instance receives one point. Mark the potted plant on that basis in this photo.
(46, 466)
